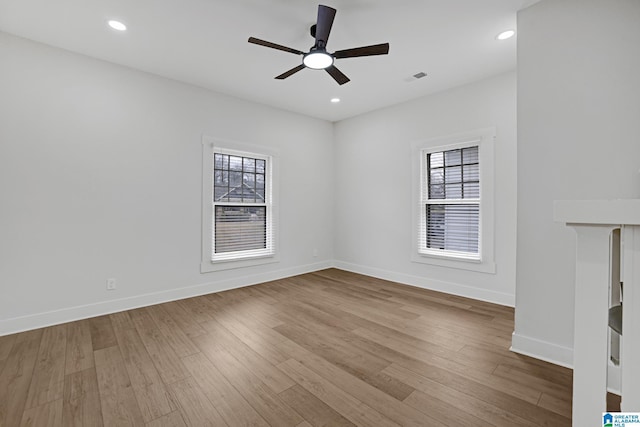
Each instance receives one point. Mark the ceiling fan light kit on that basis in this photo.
(318, 58)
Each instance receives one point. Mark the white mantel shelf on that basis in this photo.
(619, 211)
(593, 221)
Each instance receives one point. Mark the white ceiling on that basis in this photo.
(204, 42)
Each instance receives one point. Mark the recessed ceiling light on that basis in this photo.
(506, 35)
(335, 100)
(117, 25)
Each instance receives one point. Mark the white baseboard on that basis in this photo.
(543, 350)
(39, 320)
(434, 285)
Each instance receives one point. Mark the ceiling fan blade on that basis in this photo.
(337, 75)
(376, 49)
(290, 72)
(273, 45)
(326, 15)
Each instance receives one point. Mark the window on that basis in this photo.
(238, 206)
(452, 202)
(454, 194)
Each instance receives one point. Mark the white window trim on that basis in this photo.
(209, 146)
(484, 139)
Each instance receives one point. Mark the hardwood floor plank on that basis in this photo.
(79, 347)
(173, 419)
(6, 344)
(102, 335)
(197, 308)
(261, 397)
(445, 371)
(501, 396)
(337, 347)
(444, 412)
(267, 373)
(245, 322)
(118, 402)
(81, 399)
(150, 391)
(182, 318)
(313, 410)
(535, 382)
(195, 408)
(558, 405)
(48, 414)
(47, 382)
(15, 378)
(121, 321)
(166, 362)
(35, 334)
(347, 405)
(235, 410)
(262, 344)
(364, 392)
(442, 402)
(169, 328)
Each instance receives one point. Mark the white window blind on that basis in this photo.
(450, 202)
(242, 215)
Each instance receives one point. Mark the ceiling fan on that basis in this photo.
(318, 58)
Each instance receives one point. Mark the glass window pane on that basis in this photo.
(472, 190)
(470, 155)
(453, 227)
(248, 165)
(221, 178)
(435, 160)
(453, 174)
(452, 157)
(220, 194)
(239, 228)
(235, 179)
(472, 172)
(436, 191)
(435, 227)
(217, 161)
(235, 163)
(260, 166)
(249, 180)
(259, 181)
(436, 176)
(225, 161)
(260, 195)
(453, 191)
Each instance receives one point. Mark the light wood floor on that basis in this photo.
(324, 349)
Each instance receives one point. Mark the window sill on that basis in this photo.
(211, 266)
(455, 262)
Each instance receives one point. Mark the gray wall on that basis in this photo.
(578, 138)
(100, 176)
(374, 230)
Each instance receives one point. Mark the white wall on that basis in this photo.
(373, 203)
(578, 138)
(100, 176)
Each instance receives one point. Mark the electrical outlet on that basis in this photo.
(111, 284)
